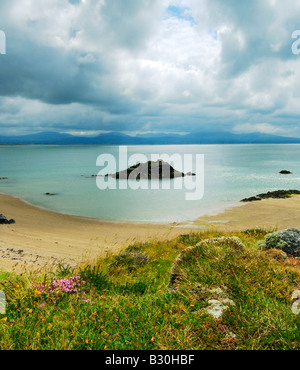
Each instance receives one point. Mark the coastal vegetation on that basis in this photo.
(158, 295)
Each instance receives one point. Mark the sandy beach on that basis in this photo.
(45, 238)
(267, 213)
(41, 237)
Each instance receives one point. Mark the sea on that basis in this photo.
(224, 174)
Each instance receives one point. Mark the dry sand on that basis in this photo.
(41, 237)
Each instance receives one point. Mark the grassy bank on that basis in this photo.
(124, 301)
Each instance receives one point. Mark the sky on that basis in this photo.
(149, 66)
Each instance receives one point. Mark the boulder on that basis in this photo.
(5, 221)
(287, 240)
(285, 172)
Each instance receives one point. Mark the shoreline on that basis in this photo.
(212, 213)
(42, 237)
(80, 217)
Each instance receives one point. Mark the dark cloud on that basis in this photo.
(54, 76)
(147, 65)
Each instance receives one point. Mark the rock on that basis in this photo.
(50, 194)
(176, 270)
(217, 307)
(3, 178)
(287, 240)
(296, 302)
(218, 299)
(5, 221)
(277, 194)
(285, 172)
(131, 259)
(251, 199)
(150, 170)
(185, 273)
(296, 295)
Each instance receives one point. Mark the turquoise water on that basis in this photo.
(231, 172)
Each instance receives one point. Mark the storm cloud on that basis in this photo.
(88, 66)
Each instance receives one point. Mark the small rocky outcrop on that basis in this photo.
(219, 300)
(150, 170)
(131, 259)
(176, 270)
(251, 199)
(277, 194)
(285, 172)
(287, 240)
(5, 221)
(216, 298)
(217, 307)
(3, 178)
(51, 194)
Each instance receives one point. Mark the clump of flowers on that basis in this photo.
(59, 288)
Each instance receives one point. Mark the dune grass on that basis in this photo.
(124, 301)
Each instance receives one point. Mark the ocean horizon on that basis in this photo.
(231, 172)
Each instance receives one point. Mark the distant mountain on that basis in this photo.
(115, 138)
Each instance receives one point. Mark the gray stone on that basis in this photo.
(287, 240)
(218, 306)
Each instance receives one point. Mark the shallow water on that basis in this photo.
(231, 172)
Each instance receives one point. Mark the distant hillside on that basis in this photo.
(54, 138)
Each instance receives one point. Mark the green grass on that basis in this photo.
(124, 301)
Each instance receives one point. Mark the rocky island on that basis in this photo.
(150, 170)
